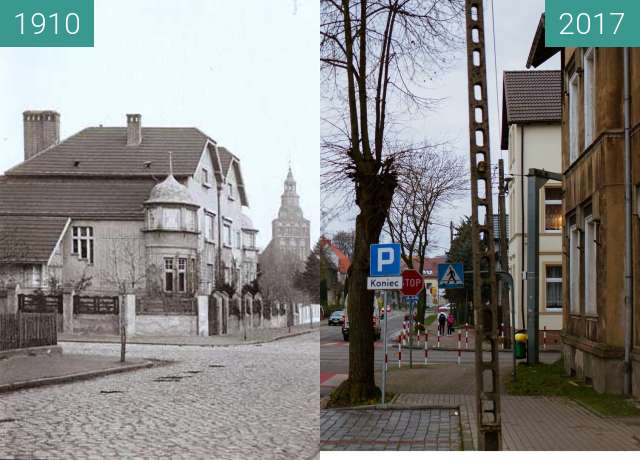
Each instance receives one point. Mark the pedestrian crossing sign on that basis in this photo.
(451, 276)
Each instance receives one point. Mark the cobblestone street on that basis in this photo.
(253, 402)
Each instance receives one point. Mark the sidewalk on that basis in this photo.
(254, 336)
(541, 423)
(21, 371)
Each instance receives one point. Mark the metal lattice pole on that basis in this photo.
(483, 246)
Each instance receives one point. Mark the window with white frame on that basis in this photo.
(171, 218)
(205, 177)
(168, 274)
(574, 270)
(589, 95)
(554, 287)
(552, 209)
(590, 265)
(190, 220)
(209, 226)
(82, 243)
(230, 189)
(227, 234)
(36, 276)
(182, 275)
(238, 240)
(574, 113)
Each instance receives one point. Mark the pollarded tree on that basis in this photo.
(374, 57)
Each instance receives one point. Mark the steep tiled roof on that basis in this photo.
(343, 260)
(96, 198)
(29, 238)
(530, 97)
(104, 151)
(430, 267)
(226, 158)
(539, 53)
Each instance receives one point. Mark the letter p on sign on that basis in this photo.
(385, 260)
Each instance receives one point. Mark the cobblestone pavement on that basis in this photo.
(244, 402)
(542, 423)
(390, 429)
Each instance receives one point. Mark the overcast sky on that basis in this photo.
(515, 22)
(245, 73)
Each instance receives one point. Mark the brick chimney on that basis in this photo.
(134, 129)
(41, 130)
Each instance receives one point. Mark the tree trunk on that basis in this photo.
(374, 193)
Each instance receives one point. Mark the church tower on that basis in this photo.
(290, 230)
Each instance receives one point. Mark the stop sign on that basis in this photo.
(412, 282)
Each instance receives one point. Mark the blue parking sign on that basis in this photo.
(385, 259)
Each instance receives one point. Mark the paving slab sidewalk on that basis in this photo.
(390, 428)
(23, 371)
(254, 336)
(542, 423)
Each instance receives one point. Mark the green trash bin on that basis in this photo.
(520, 348)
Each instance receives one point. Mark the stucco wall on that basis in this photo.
(95, 324)
(542, 150)
(122, 239)
(166, 325)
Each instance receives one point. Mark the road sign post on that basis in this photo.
(412, 284)
(384, 275)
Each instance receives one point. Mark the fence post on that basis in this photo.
(13, 290)
(130, 313)
(203, 315)
(67, 308)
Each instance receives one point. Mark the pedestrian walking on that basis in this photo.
(450, 321)
(442, 321)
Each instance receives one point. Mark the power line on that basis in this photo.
(495, 66)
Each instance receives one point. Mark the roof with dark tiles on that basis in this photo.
(78, 198)
(29, 239)
(104, 152)
(530, 97)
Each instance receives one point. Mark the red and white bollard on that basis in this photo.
(426, 348)
(544, 338)
(459, 345)
(466, 335)
(399, 355)
(502, 335)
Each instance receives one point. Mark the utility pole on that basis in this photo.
(504, 258)
(451, 230)
(487, 372)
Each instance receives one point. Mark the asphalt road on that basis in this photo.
(334, 352)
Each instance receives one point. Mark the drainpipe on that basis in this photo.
(522, 251)
(628, 287)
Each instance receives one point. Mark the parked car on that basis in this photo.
(336, 318)
(377, 333)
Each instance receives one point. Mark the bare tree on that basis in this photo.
(277, 275)
(126, 271)
(374, 57)
(429, 180)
